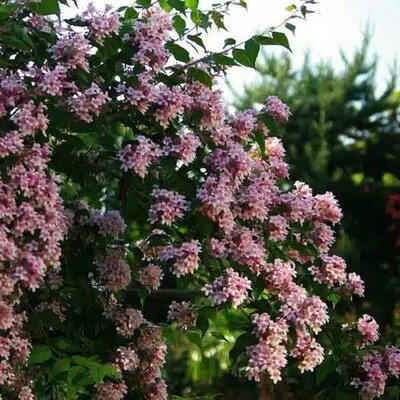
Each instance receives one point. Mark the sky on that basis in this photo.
(336, 25)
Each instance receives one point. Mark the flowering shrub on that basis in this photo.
(121, 174)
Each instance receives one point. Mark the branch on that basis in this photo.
(227, 50)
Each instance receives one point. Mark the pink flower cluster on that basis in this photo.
(376, 368)
(53, 82)
(111, 391)
(114, 272)
(144, 356)
(238, 186)
(150, 35)
(168, 207)
(88, 103)
(72, 51)
(184, 148)
(185, 258)
(101, 24)
(150, 276)
(270, 353)
(368, 328)
(231, 287)
(278, 110)
(183, 313)
(139, 158)
(109, 223)
(32, 224)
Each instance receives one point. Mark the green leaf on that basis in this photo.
(260, 139)
(229, 42)
(165, 5)
(291, 8)
(45, 7)
(200, 19)
(178, 52)
(195, 338)
(130, 13)
(192, 4)
(277, 39)
(291, 27)
(76, 373)
(5, 11)
(248, 55)
(59, 367)
(281, 39)
(252, 49)
(15, 43)
(144, 3)
(179, 24)
(341, 395)
(39, 354)
(327, 367)
(197, 39)
(241, 57)
(201, 76)
(224, 60)
(203, 324)
(334, 298)
(219, 336)
(178, 5)
(218, 20)
(240, 345)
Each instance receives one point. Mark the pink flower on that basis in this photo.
(52, 82)
(169, 102)
(140, 157)
(109, 223)
(355, 284)
(264, 357)
(111, 391)
(168, 207)
(244, 123)
(10, 143)
(392, 357)
(326, 208)
(101, 24)
(210, 104)
(278, 227)
(114, 272)
(218, 248)
(30, 118)
(246, 248)
(183, 313)
(185, 258)
(332, 272)
(26, 394)
(230, 287)
(150, 35)
(216, 197)
(277, 109)
(308, 352)
(374, 380)
(126, 359)
(368, 328)
(88, 103)
(150, 276)
(72, 51)
(128, 321)
(184, 148)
